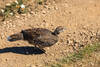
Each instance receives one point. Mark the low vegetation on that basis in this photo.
(13, 8)
(17, 7)
(86, 51)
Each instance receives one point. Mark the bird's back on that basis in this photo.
(40, 36)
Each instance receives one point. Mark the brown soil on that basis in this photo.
(80, 17)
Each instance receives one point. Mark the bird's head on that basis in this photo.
(15, 37)
(59, 29)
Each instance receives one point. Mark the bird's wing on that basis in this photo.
(35, 32)
(47, 39)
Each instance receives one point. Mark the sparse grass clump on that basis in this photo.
(17, 7)
(56, 65)
(79, 55)
(13, 8)
(86, 51)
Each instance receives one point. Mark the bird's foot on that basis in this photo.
(43, 50)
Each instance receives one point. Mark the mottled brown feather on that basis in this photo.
(38, 36)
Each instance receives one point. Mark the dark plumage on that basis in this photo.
(38, 36)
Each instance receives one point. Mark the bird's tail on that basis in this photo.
(15, 37)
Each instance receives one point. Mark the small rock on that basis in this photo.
(4, 23)
(23, 15)
(52, 54)
(28, 65)
(31, 12)
(44, 21)
(44, 12)
(6, 59)
(8, 4)
(14, 25)
(48, 48)
(28, 15)
(56, 8)
(67, 41)
(52, 25)
(33, 66)
(70, 12)
(17, 16)
(70, 41)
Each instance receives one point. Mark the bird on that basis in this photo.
(39, 37)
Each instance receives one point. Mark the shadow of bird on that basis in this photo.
(22, 50)
(39, 37)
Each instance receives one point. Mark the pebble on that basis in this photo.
(28, 15)
(29, 65)
(8, 4)
(52, 54)
(56, 8)
(70, 42)
(44, 12)
(32, 12)
(23, 14)
(33, 66)
(4, 23)
(6, 59)
(17, 16)
(48, 48)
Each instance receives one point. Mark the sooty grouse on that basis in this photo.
(38, 36)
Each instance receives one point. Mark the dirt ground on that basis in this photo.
(80, 17)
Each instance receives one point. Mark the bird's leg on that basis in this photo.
(35, 47)
(41, 47)
(44, 51)
(32, 42)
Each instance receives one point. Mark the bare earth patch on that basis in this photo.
(80, 17)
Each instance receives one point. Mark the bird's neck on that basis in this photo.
(25, 35)
(56, 33)
(21, 36)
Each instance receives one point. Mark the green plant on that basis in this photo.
(56, 65)
(13, 8)
(86, 51)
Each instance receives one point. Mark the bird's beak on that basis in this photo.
(64, 29)
(9, 38)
